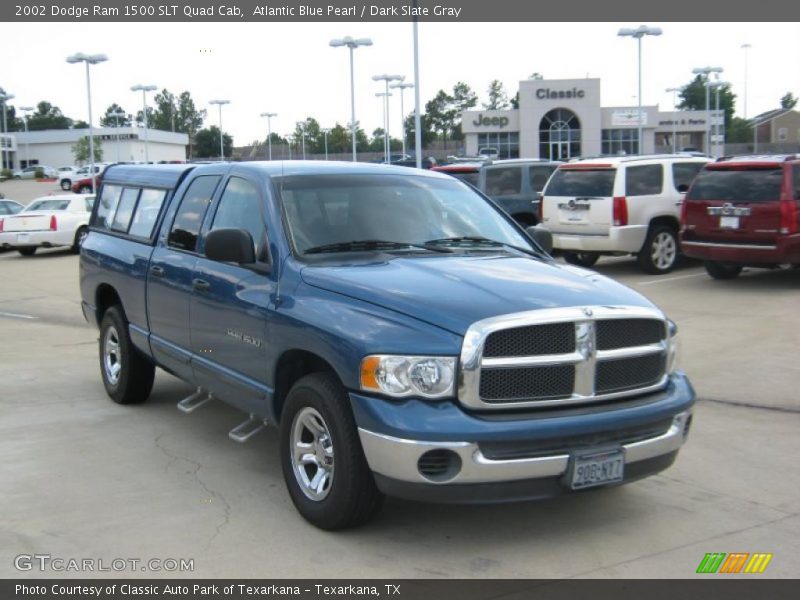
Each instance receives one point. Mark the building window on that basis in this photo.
(783, 134)
(560, 135)
(506, 143)
(620, 141)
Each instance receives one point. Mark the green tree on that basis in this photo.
(12, 122)
(515, 101)
(315, 144)
(739, 131)
(693, 97)
(498, 98)
(108, 119)
(48, 116)
(80, 124)
(428, 135)
(206, 143)
(441, 114)
(463, 99)
(80, 150)
(788, 100)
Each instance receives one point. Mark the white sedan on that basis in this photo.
(48, 222)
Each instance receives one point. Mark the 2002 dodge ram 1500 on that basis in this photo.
(407, 337)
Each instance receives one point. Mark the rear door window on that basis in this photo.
(644, 180)
(538, 177)
(737, 185)
(189, 219)
(582, 183)
(504, 181)
(684, 173)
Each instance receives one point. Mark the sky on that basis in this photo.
(289, 68)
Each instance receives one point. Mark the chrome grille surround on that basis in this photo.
(585, 358)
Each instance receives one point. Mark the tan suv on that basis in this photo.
(619, 205)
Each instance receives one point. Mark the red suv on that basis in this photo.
(743, 211)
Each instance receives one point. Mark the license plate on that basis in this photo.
(729, 222)
(590, 470)
(23, 237)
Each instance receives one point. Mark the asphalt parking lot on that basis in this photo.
(82, 477)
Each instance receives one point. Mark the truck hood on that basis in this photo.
(453, 292)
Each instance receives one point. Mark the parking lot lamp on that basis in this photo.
(746, 47)
(4, 98)
(387, 79)
(325, 133)
(402, 86)
(117, 114)
(717, 85)
(220, 103)
(144, 89)
(269, 116)
(302, 126)
(638, 34)
(89, 59)
(352, 44)
(674, 120)
(706, 71)
(26, 110)
(384, 95)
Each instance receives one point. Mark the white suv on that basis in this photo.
(619, 205)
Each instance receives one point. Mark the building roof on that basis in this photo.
(770, 115)
(56, 136)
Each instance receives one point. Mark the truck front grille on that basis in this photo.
(563, 356)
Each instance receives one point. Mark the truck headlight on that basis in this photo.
(672, 346)
(398, 376)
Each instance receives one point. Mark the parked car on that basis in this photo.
(618, 206)
(465, 171)
(489, 152)
(48, 222)
(744, 211)
(84, 185)
(30, 172)
(428, 162)
(9, 207)
(73, 174)
(516, 185)
(403, 333)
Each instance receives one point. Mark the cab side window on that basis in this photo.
(684, 173)
(240, 208)
(191, 211)
(644, 180)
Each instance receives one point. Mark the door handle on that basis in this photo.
(157, 271)
(201, 285)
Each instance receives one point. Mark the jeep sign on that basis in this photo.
(483, 121)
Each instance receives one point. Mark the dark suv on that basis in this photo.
(743, 211)
(516, 185)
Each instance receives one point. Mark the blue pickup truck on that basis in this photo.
(402, 332)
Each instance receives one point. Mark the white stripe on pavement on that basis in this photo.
(666, 279)
(16, 316)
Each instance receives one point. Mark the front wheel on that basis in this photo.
(85, 189)
(80, 236)
(127, 375)
(66, 185)
(323, 463)
(719, 270)
(659, 254)
(582, 259)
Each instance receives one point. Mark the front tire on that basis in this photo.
(127, 375)
(80, 236)
(719, 270)
(85, 189)
(66, 185)
(660, 252)
(581, 259)
(323, 463)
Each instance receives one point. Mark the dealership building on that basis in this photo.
(559, 119)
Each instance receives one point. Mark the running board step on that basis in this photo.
(195, 401)
(242, 433)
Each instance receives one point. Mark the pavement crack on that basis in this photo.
(783, 409)
(196, 476)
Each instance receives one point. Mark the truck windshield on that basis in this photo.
(325, 210)
(581, 182)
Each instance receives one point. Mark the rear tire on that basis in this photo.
(80, 235)
(719, 270)
(581, 259)
(319, 442)
(85, 189)
(127, 375)
(66, 185)
(28, 251)
(660, 252)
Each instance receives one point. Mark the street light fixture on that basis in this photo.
(144, 89)
(352, 44)
(385, 97)
(4, 98)
(220, 103)
(89, 59)
(638, 34)
(707, 71)
(717, 85)
(386, 79)
(674, 120)
(26, 110)
(302, 126)
(269, 116)
(402, 87)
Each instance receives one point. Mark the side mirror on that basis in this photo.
(230, 245)
(542, 236)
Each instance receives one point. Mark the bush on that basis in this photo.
(6, 174)
(39, 174)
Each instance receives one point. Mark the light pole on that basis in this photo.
(26, 110)
(269, 116)
(746, 47)
(352, 45)
(4, 98)
(717, 85)
(638, 34)
(386, 79)
(707, 71)
(302, 126)
(220, 103)
(385, 96)
(117, 114)
(402, 87)
(417, 116)
(144, 89)
(674, 120)
(325, 133)
(89, 59)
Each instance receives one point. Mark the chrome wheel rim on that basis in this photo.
(82, 236)
(112, 364)
(664, 250)
(311, 451)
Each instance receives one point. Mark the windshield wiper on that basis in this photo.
(366, 245)
(478, 241)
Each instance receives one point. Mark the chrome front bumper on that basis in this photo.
(397, 458)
